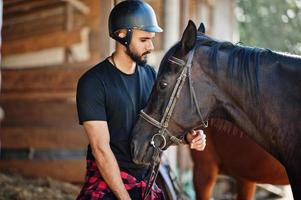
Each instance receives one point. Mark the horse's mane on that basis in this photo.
(245, 69)
(243, 61)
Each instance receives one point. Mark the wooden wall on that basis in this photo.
(40, 134)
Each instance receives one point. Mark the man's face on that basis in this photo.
(140, 45)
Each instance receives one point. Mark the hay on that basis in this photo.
(16, 187)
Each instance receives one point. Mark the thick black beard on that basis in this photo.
(135, 57)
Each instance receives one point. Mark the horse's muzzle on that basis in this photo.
(141, 153)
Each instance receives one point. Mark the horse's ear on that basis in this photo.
(189, 37)
(201, 28)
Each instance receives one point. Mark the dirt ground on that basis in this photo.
(16, 187)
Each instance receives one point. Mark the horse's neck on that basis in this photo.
(246, 117)
(274, 110)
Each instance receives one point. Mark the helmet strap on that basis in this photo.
(125, 40)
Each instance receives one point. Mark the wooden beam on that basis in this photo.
(39, 96)
(65, 170)
(1, 114)
(51, 40)
(26, 6)
(10, 2)
(56, 79)
(99, 41)
(32, 29)
(31, 137)
(82, 7)
(30, 16)
(45, 114)
(184, 14)
(52, 23)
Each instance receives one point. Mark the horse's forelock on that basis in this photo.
(167, 55)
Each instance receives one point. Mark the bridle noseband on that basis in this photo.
(163, 124)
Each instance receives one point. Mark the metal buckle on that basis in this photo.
(153, 141)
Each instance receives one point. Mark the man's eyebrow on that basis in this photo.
(145, 38)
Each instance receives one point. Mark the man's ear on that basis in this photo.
(201, 28)
(188, 38)
(121, 33)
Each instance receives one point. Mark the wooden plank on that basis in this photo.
(40, 96)
(42, 154)
(65, 170)
(32, 137)
(51, 40)
(32, 29)
(10, 2)
(51, 23)
(29, 24)
(30, 16)
(28, 6)
(45, 114)
(60, 78)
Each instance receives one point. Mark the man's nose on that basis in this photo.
(150, 46)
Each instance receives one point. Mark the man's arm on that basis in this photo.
(99, 138)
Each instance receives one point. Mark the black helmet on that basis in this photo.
(132, 14)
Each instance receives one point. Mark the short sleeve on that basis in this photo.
(90, 99)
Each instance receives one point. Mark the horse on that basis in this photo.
(201, 78)
(229, 151)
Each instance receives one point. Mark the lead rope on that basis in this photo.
(153, 173)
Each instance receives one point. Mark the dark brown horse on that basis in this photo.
(229, 151)
(200, 78)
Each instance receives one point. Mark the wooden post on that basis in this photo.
(184, 14)
(69, 27)
(224, 20)
(171, 22)
(171, 36)
(105, 40)
(1, 8)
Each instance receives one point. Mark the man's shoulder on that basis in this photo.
(97, 72)
(148, 69)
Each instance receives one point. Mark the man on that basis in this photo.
(109, 98)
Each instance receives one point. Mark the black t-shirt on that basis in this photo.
(105, 93)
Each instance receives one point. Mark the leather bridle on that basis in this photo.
(163, 132)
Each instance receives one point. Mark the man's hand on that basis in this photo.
(196, 139)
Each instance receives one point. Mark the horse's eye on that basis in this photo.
(162, 84)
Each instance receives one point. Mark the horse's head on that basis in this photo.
(173, 107)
